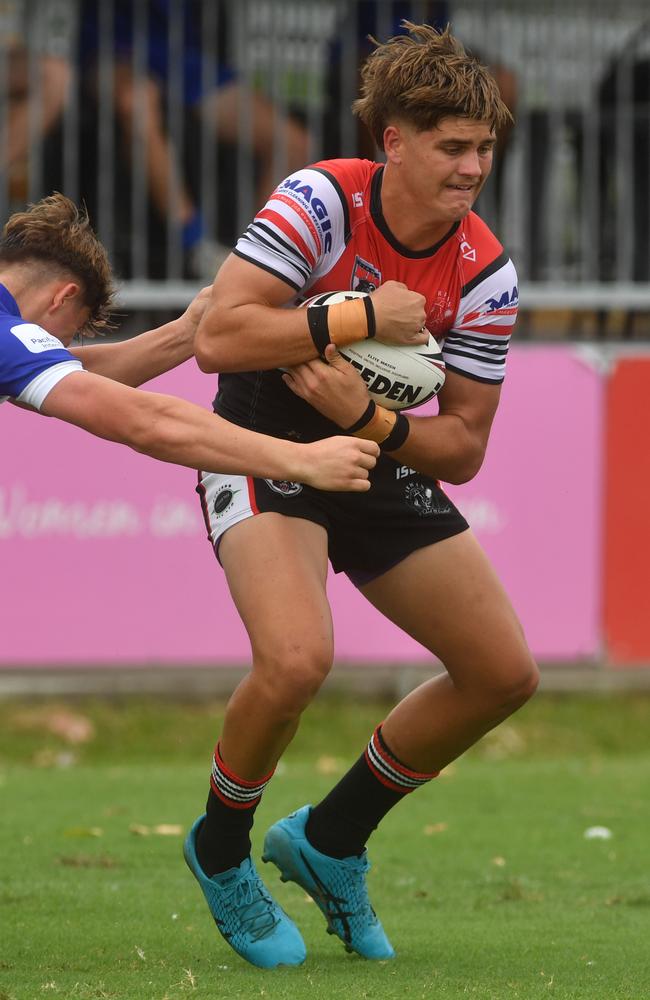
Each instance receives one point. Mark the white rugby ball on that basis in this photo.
(398, 376)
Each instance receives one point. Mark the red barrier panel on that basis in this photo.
(627, 514)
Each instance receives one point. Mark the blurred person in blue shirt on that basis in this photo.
(363, 19)
(209, 90)
(37, 43)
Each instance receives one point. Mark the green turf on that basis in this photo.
(484, 881)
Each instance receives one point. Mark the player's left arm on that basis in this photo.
(135, 361)
(449, 446)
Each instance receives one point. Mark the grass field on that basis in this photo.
(484, 880)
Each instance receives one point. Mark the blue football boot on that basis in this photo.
(338, 887)
(245, 913)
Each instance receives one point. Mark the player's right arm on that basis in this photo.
(294, 241)
(246, 328)
(173, 430)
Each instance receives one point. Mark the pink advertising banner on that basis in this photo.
(105, 561)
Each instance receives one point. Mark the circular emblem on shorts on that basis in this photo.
(284, 486)
(223, 500)
(423, 499)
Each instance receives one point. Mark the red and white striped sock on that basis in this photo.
(223, 840)
(341, 824)
(389, 770)
(234, 791)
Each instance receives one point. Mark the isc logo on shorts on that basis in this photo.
(284, 486)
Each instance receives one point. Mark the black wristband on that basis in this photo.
(364, 419)
(318, 327)
(370, 316)
(398, 435)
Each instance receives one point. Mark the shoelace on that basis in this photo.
(255, 906)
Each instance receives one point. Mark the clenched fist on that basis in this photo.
(400, 314)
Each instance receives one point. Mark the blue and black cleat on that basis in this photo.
(338, 887)
(245, 913)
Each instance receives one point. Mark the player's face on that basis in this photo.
(446, 167)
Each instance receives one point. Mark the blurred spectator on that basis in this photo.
(624, 104)
(36, 80)
(382, 20)
(216, 99)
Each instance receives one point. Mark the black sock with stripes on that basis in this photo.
(341, 824)
(223, 840)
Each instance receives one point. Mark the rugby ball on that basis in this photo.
(398, 376)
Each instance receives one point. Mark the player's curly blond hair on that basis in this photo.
(423, 77)
(57, 234)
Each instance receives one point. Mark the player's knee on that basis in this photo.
(517, 684)
(294, 674)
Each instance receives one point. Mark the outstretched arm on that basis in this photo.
(173, 430)
(133, 362)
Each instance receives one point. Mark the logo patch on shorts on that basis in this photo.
(424, 500)
(284, 486)
(223, 500)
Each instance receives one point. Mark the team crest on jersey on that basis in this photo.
(440, 314)
(424, 501)
(365, 277)
(284, 486)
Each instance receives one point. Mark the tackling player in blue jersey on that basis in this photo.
(55, 280)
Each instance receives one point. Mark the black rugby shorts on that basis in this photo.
(368, 533)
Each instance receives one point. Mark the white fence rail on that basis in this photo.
(172, 118)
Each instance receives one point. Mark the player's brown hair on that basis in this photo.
(56, 233)
(423, 77)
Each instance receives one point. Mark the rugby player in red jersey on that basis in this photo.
(404, 231)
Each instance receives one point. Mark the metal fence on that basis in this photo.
(171, 119)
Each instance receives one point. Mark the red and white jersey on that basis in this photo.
(323, 230)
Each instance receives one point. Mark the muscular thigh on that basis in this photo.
(447, 596)
(276, 568)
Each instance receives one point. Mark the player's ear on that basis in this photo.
(393, 140)
(65, 292)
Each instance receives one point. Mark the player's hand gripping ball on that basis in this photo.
(398, 376)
